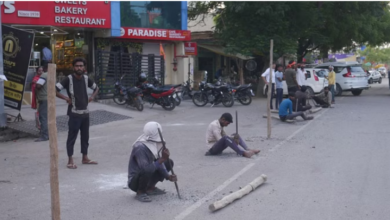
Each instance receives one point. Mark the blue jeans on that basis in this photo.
(279, 97)
(225, 142)
(42, 110)
(332, 90)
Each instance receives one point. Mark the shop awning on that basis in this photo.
(221, 51)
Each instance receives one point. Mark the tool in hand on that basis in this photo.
(237, 137)
(170, 164)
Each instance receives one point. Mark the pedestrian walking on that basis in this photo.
(266, 78)
(76, 85)
(279, 85)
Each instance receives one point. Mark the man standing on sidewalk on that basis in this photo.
(76, 86)
(268, 82)
(279, 85)
(331, 82)
(291, 78)
(41, 95)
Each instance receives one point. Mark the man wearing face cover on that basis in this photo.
(76, 85)
(146, 166)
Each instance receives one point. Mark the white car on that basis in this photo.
(383, 71)
(374, 76)
(355, 81)
(315, 81)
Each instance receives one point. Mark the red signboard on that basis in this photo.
(155, 34)
(57, 13)
(190, 49)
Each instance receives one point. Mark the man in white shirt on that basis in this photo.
(217, 140)
(267, 81)
(301, 76)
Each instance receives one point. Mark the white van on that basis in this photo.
(354, 82)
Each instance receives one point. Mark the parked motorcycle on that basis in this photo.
(130, 96)
(243, 93)
(176, 94)
(214, 94)
(159, 95)
(186, 89)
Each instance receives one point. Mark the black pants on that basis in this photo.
(292, 89)
(272, 95)
(75, 124)
(142, 180)
(321, 102)
(302, 108)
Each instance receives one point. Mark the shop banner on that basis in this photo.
(91, 14)
(17, 45)
(190, 49)
(155, 34)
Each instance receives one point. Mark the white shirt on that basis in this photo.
(214, 133)
(267, 73)
(301, 77)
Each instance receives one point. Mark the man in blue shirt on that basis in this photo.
(279, 85)
(47, 56)
(286, 107)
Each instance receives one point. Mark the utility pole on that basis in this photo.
(3, 118)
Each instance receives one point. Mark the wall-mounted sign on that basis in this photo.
(91, 14)
(190, 49)
(155, 34)
(17, 46)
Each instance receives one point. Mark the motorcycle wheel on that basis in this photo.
(139, 105)
(171, 102)
(177, 99)
(227, 100)
(199, 99)
(119, 99)
(245, 99)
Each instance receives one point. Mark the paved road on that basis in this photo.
(334, 167)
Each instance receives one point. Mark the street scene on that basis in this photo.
(194, 110)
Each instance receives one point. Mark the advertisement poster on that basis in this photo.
(17, 46)
(155, 34)
(190, 49)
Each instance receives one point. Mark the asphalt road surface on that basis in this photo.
(334, 167)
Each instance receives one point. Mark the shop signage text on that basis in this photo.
(58, 13)
(190, 49)
(155, 34)
(17, 46)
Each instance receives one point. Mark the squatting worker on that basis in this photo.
(290, 76)
(285, 110)
(331, 82)
(299, 103)
(146, 166)
(76, 86)
(266, 78)
(217, 140)
(324, 99)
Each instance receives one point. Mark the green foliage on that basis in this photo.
(376, 55)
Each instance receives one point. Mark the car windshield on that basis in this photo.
(354, 69)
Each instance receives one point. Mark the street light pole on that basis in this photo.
(3, 118)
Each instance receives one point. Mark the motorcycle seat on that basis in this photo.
(160, 90)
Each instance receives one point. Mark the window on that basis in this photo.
(151, 14)
(321, 73)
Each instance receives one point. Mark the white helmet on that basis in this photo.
(330, 67)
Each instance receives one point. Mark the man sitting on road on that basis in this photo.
(324, 99)
(217, 140)
(146, 167)
(285, 110)
(299, 103)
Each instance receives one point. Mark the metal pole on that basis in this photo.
(3, 118)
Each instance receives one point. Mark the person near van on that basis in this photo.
(266, 78)
(301, 76)
(76, 85)
(332, 81)
(279, 85)
(291, 78)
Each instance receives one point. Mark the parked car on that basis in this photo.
(382, 71)
(354, 81)
(315, 81)
(374, 76)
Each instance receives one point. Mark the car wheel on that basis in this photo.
(357, 92)
(339, 91)
(380, 80)
(370, 81)
(309, 91)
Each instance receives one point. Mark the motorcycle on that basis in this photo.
(159, 95)
(176, 94)
(130, 96)
(214, 94)
(243, 93)
(187, 89)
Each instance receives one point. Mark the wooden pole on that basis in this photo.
(270, 90)
(54, 185)
(238, 194)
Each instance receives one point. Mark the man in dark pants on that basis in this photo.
(218, 141)
(41, 91)
(268, 82)
(299, 103)
(290, 76)
(324, 99)
(285, 110)
(146, 167)
(76, 86)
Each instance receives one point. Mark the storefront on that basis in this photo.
(65, 27)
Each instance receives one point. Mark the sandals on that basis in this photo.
(156, 192)
(91, 162)
(143, 198)
(71, 166)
